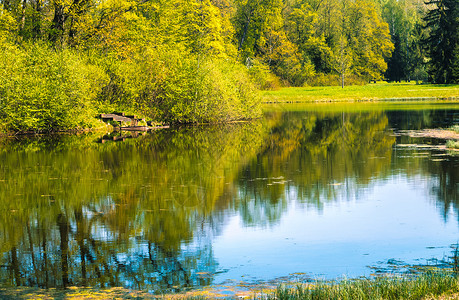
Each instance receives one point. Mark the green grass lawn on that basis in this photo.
(377, 91)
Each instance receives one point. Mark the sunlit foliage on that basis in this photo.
(195, 61)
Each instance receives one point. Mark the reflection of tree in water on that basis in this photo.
(136, 214)
(322, 156)
(313, 157)
(441, 170)
(142, 213)
(67, 254)
(421, 119)
(444, 183)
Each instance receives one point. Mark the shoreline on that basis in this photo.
(430, 284)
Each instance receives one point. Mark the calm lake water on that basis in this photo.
(312, 191)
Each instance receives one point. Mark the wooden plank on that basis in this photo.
(135, 128)
(115, 117)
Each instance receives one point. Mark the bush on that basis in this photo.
(455, 128)
(261, 76)
(201, 90)
(420, 75)
(322, 79)
(452, 144)
(43, 90)
(176, 88)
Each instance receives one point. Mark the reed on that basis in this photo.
(430, 284)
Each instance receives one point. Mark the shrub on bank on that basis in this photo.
(261, 76)
(452, 144)
(43, 90)
(322, 79)
(169, 86)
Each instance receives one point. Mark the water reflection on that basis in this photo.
(318, 155)
(117, 214)
(145, 213)
(445, 184)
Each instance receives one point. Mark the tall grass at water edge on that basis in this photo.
(431, 284)
(452, 144)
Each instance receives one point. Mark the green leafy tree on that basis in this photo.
(201, 28)
(404, 20)
(369, 38)
(253, 19)
(301, 25)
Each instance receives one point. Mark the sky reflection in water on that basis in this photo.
(394, 219)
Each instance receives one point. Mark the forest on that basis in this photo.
(198, 61)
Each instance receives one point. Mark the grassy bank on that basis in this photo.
(429, 285)
(426, 286)
(378, 91)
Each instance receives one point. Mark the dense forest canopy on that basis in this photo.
(192, 61)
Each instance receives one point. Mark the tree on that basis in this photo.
(369, 38)
(404, 20)
(343, 55)
(396, 69)
(252, 21)
(342, 60)
(442, 20)
(302, 23)
(393, 13)
(455, 66)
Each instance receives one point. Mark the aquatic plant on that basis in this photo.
(452, 144)
(427, 284)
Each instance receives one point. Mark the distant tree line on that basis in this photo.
(425, 37)
(184, 61)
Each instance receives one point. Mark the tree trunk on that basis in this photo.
(15, 266)
(246, 27)
(57, 27)
(36, 19)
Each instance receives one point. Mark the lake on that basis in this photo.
(309, 191)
